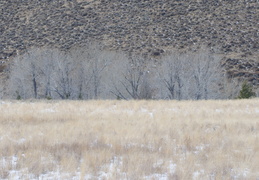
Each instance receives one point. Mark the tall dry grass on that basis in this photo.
(129, 139)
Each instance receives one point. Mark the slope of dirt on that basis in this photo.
(148, 27)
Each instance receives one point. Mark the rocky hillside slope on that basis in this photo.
(149, 27)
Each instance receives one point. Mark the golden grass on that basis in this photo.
(129, 139)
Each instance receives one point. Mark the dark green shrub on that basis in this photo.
(80, 96)
(246, 91)
(48, 97)
(18, 96)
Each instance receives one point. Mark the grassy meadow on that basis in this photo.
(129, 139)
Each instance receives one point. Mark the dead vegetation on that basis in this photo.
(129, 139)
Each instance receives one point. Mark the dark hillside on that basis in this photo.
(141, 26)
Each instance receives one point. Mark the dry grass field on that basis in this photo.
(129, 139)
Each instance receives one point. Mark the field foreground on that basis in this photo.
(129, 139)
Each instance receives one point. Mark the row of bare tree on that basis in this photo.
(93, 73)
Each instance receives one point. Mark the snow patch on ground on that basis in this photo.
(107, 171)
(196, 174)
(239, 173)
(219, 110)
(157, 176)
(49, 110)
(18, 141)
(200, 148)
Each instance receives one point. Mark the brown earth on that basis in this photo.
(148, 27)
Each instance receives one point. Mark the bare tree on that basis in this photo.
(195, 75)
(31, 75)
(39, 66)
(51, 73)
(92, 61)
(98, 62)
(206, 71)
(134, 82)
(174, 75)
(24, 77)
(133, 78)
(83, 82)
(47, 69)
(81, 76)
(63, 78)
(2, 87)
